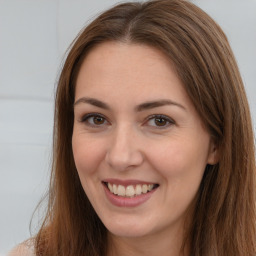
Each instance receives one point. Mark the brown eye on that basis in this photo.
(160, 121)
(94, 120)
(98, 120)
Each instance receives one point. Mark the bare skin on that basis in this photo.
(120, 135)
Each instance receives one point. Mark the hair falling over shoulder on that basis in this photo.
(224, 215)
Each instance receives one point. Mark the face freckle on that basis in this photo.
(121, 91)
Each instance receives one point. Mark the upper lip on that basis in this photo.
(127, 182)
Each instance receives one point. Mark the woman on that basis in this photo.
(153, 142)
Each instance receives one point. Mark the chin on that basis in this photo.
(128, 229)
(129, 233)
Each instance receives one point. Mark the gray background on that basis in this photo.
(34, 35)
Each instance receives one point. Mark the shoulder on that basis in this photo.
(23, 249)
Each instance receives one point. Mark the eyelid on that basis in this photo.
(94, 114)
(85, 118)
(167, 118)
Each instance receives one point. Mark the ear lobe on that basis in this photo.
(213, 156)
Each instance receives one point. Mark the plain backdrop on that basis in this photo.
(34, 35)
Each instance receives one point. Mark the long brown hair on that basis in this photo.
(224, 216)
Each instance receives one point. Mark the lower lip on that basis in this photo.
(128, 201)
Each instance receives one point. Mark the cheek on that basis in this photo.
(181, 166)
(87, 155)
(179, 158)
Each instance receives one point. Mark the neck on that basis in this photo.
(164, 244)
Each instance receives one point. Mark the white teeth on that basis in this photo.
(115, 189)
(110, 187)
(131, 190)
(144, 188)
(138, 190)
(121, 190)
(150, 187)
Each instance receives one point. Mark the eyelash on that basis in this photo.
(85, 119)
(168, 121)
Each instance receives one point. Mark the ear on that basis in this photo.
(213, 156)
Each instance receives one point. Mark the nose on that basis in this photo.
(124, 152)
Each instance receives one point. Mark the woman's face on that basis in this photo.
(139, 145)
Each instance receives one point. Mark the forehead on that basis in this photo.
(124, 69)
(116, 56)
(106, 50)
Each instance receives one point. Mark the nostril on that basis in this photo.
(124, 159)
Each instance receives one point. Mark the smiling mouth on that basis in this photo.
(130, 190)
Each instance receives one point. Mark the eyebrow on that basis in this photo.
(141, 107)
(93, 102)
(157, 103)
